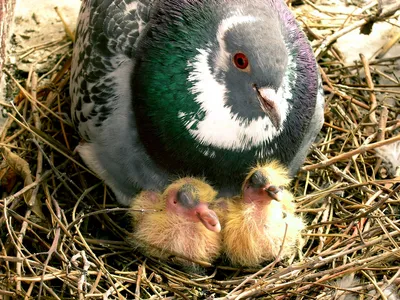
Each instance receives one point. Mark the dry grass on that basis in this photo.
(61, 235)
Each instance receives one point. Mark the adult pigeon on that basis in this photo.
(169, 88)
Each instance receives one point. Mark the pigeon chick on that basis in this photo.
(254, 224)
(181, 224)
(201, 88)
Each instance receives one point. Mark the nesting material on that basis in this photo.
(390, 155)
(82, 250)
(349, 288)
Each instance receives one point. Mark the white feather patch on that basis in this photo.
(220, 127)
(131, 6)
(391, 157)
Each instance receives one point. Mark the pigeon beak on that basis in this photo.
(258, 188)
(275, 196)
(209, 219)
(271, 192)
(269, 99)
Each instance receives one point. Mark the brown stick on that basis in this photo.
(6, 20)
(370, 83)
(349, 154)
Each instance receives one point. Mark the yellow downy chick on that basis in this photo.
(183, 224)
(254, 224)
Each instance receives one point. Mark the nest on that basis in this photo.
(63, 234)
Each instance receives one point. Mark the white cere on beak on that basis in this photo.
(273, 106)
(270, 94)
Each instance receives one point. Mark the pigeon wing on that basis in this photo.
(107, 34)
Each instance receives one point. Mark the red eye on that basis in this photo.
(241, 61)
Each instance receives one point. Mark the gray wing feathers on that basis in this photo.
(102, 67)
(313, 129)
(106, 35)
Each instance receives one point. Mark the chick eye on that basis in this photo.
(241, 61)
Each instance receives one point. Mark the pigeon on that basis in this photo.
(177, 221)
(260, 224)
(162, 89)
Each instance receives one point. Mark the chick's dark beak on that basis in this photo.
(268, 100)
(273, 192)
(258, 185)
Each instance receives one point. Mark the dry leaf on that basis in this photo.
(8, 179)
(21, 168)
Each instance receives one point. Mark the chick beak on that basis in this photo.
(258, 187)
(269, 99)
(209, 218)
(273, 192)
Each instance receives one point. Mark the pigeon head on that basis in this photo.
(265, 183)
(248, 60)
(216, 82)
(189, 197)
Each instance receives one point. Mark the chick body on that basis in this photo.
(173, 229)
(254, 224)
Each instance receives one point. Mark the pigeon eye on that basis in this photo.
(241, 61)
